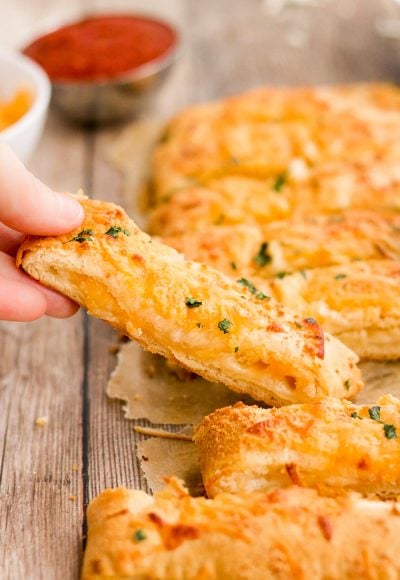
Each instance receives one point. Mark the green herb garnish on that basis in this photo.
(340, 276)
(139, 536)
(224, 325)
(375, 413)
(233, 265)
(390, 431)
(281, 275)
(262, 296)
(247, 284)
(347, 384)
(83, 236)
(236, 348)
(252, 289)
(115, 230)
(263, 257)
(192, 302)
(303, 273)
(279, 182)
(355, 415)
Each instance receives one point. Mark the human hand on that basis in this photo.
(27, 206)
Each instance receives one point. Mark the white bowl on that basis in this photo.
(20, 72)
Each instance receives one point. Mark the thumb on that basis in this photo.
(29, 206)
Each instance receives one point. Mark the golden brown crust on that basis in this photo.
(285, 534)
(234, 336)
(261, 132)
(358, 302)
(332, 445)
(296, 244)
(240, 199)
(277, 152)
(355, 300)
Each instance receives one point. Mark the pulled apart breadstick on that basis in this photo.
(344, 271)
(332, 444)
(223, 330)
(284, 534)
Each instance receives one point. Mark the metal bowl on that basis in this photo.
(116, 99)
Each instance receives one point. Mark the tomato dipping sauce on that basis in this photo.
(101, 47)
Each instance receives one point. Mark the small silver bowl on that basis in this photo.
(111, 100)
(116, 99)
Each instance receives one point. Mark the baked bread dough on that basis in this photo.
(283, 534)
(342, 270)
(190, 313)
(259, 133)
(238, 199)
(295, 244)
(357, 302)
(332, 445)
(275, 152)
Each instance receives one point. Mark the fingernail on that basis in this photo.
(71, 211)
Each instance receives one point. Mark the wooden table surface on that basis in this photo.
(59, 368)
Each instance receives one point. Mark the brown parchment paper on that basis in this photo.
(380, 379)
(161, 458)
(153, 391)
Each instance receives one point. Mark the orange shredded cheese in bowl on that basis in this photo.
(13, 109)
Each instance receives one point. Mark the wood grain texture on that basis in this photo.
(60, 368)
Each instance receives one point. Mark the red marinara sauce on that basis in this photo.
(101, 47)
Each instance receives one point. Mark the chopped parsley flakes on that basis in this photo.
(281, 275)
(347, 384)
(263, 257)
(233, 265)
(247, 284)
(375, 413)
(390, 431)
(279, 182)
(236, 348)
(262, 296)
(355, 415)
(83, 236)
(252, 289)
(224, 325)
(115, 230)
(340, 276)
(139, 536)
(192, 302)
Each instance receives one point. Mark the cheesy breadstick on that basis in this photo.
(280, 248)
(223, 330)
(332, 444)
(284, 534)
